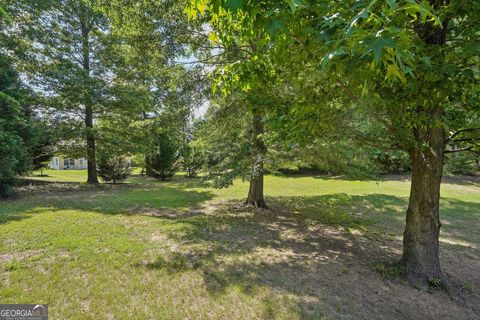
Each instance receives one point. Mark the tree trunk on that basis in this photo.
(420, 241)
(91, 163)
(148, 167)
(90, 135)
(255, 192)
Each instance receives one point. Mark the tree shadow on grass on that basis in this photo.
(13, 210)
(147, 202)
(166, 201)
(288, 249)
(461, 180)
(460, 221)
(30, 187)
(316, 249)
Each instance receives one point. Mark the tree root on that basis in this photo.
(428, 281)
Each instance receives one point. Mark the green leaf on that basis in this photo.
(393, 4)
(426, 60)
(294, 4)
(213, 37)
(362, 15)
(393, 71)
(274, 26)
(234, 4)
(377, 46)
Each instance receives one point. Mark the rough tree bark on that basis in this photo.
(255, 192)
(90, 135)
(420, 241)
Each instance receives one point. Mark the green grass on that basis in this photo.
(61, 175)
(139, 251)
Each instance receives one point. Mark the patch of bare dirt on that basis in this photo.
(18, 256)
(203, 209)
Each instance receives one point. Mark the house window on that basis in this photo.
(81, 162)
(69, 162)
(56, 162)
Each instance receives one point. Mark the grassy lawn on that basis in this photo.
(61, 175)
(179, 250)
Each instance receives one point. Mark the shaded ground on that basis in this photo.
(330, 269)
(148, 250)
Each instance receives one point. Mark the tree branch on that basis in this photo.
(453, 135)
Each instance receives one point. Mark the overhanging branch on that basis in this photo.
(456, 133)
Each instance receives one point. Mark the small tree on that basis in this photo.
(193, 158)
(163, 161)
(42, 151)
(115, 169)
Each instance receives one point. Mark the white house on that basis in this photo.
(62, 163)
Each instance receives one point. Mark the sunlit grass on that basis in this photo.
(139, 251)
(60, 175)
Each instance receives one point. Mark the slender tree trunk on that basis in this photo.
(255, 192)
(420, 241)
(91, 163)
(90, 135)
(148, 167)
